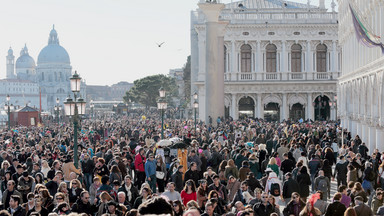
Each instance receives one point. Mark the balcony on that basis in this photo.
(281, 76)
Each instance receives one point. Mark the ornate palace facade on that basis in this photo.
(281, 60)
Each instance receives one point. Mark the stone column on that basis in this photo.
(214, 74)
(379, 139)
(309, 107)
(283, 60)
(359, 128)
(259, 107)
(233, 58)
(371, 138)
(334, 57)
(234, 106)
(258, 56)
(364, 132)
(309, 66)
(285, 109)
(201, 73)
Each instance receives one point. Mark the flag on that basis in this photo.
(362, 33)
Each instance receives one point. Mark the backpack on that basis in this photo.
(275, 189)
(322, 185)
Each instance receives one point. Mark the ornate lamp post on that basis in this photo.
(162, 105)
(75, 108)
(8, 108)
(91, 106)
(57, 109)
(195, 106)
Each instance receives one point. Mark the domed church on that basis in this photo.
(52, 72)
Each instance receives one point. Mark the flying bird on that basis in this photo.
(159, 45)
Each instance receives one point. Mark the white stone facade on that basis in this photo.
(280, 57)
(361, 92)
(22, 92)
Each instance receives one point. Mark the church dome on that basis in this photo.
(25, 60)
(53, 52)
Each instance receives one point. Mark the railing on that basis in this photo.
(261, 16)
(280, 76)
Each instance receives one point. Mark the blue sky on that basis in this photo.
(107, 40)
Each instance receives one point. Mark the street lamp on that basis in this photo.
(75, 108)
(57, 110)
(195, 105)
(162, 105)
(91, 105)
(9, 112)
(195, 96)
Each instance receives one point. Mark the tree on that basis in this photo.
(146, 90)
(187, 79)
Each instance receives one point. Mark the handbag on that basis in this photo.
(160, 174)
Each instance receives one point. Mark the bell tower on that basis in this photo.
(10, 64)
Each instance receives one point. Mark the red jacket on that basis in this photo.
(139, 162)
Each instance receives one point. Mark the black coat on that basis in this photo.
(287, 165)
(289, 187)
(335, 209)
(20, 211)
(260, 209)
(304, 181)
(341, 170)
(194, 175)
(177, 178)
(80, 207)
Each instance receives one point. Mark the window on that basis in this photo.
(271, 58)
(296, 58)
(321, 58)
(246, 52)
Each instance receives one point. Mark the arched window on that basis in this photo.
(321, 58)
(296, 58)
(246, 52)
(271, 58)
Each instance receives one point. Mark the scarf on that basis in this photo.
(129, 194)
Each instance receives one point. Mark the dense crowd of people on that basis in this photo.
(244, 167)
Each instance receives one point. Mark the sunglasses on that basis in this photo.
(59, 198)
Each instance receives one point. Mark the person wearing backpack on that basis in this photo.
(322, 183)
(273, 186)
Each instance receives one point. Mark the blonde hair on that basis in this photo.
(78, 183)
(272, 161)
(105, 195)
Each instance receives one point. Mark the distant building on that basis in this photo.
(51, 75)
(119, 89)
(115, 92)
(22, 93)
(178, 74)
